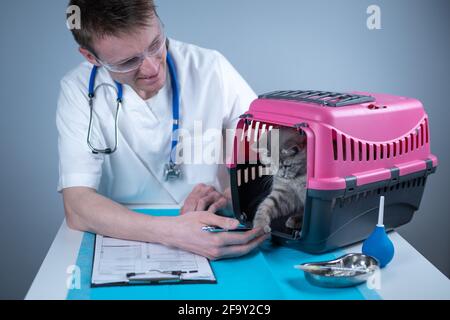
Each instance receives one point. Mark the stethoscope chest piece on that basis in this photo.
(172, 171)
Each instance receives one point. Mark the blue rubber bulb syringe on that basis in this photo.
(378, 244)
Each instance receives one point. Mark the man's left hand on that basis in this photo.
(203, 198)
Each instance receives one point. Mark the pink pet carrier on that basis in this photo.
(359, 146)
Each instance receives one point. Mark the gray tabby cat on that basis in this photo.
(289, 183)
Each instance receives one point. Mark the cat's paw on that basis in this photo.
(263, 222)
(294, 222)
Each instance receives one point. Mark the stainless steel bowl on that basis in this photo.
(346, 271)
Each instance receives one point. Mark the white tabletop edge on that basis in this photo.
(62, 254)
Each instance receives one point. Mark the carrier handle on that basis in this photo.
(323, 98)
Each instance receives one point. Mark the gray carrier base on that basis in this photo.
(338, 218)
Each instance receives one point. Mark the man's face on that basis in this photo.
(150, 77)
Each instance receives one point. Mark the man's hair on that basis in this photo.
(102, 18)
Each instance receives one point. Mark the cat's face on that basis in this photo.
(292, 154)
(291, 160)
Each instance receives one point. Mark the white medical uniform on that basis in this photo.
(211, 91)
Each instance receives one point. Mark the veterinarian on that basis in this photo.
(118, 116)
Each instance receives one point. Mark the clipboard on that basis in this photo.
(127, 263)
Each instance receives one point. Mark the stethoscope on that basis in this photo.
(171, 170)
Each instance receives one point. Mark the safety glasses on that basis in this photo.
(154, 51)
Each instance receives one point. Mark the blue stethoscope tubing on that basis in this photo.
(119, 100)
(175, 105)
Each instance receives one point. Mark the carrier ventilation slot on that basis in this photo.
(323, 98)
(251, 133)
(346, 148)
(361, 196)
(248, 137)
(252, 130)
(246, 175)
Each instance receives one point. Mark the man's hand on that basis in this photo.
(203, 198)
(186, 232)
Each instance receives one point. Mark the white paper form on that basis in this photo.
(115, 258)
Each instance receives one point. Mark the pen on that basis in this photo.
(240, 228)
(172, 272)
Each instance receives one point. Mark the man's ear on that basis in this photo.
(89, 56)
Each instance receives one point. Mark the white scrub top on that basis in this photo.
(211, 92)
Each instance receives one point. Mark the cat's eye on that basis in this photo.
(294, 150)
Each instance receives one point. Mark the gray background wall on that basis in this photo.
(274, 44)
